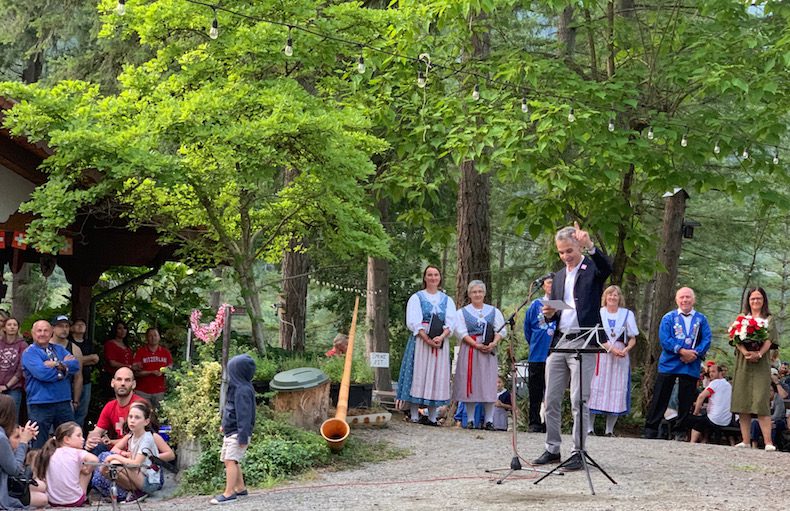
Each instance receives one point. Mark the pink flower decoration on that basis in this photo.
(209, 333)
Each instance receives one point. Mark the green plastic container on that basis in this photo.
(301, 378)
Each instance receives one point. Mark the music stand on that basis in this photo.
(113, 469)
(564, 346)
(515, 462)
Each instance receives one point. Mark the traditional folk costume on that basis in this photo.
(610, 391)
(476, 374)
(425, 371)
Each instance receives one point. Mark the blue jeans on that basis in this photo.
(48, 415)
(16, 395)
(82, 411)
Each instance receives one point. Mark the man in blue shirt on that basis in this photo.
(685, 338)
(538, 332)
(47, 367)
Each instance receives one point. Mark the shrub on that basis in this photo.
(192, 406)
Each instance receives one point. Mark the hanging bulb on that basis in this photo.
(420, 80)
(745, 154)
(524, 105)
(571, 116)
(361, 65)
(214, 31)
(289, 47)
(476, 92)
(776, 159)
(716, 148)
(650, 135)
(121, 7)
(611, 125)
(684, 141)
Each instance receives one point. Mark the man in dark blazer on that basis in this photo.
(580, 285)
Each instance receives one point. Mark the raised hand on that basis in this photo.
(583, 237)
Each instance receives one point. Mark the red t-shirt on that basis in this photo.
(151, 361)
(113, 415)
(120, 354)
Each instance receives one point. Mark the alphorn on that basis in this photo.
(336, 430)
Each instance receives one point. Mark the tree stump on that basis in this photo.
(307, 409)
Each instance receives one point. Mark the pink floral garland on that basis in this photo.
(209, 333)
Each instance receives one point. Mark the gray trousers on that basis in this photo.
(563, 369)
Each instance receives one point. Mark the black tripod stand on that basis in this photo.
(584, 457)
(515, 461)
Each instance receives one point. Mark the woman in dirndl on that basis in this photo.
(425, 370)
(610, 391)
(477, 370)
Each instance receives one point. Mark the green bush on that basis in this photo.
(192, 405)
(361, 372)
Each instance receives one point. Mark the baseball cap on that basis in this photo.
(60, 318)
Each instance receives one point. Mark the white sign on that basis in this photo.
(379, 359)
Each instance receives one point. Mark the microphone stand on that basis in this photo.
(515, 462)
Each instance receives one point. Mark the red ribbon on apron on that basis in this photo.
(469, 368)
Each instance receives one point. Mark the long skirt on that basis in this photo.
(425, 374)
(751, 386)
(475, 376)
(610, 390)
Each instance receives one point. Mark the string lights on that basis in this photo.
(422, 74)
(344, 288)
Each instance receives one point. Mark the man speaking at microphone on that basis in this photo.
(580, 285)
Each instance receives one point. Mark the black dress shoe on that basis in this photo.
(489, 426)
(546, 458)
(575, 463)
(650, 434)
(536, 428)
(470, 425)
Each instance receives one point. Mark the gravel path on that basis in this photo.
(447, 471)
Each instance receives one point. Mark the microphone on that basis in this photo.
(540, 280)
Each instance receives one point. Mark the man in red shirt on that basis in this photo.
(113, 416)
(148, 363)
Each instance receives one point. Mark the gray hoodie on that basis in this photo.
(239, 413)
(11, 463)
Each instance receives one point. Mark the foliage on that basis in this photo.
(191, 405)
(278, 451)
(265, 367)
(361, 372)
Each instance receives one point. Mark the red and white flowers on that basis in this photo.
(209, 333)
(748, 330)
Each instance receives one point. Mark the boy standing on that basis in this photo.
(238, 421)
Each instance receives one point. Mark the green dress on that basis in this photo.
(751, 382)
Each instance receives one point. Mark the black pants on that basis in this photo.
(537, 387)
(662, 392)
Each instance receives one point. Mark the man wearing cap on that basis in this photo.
(60, 336)
(47, 368)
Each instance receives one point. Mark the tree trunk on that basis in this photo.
(620, 259)
(566, 33)
(296, 266)
(215, 298)
(25, 292)
(500, 279)
(249, 292)
(473, 224)
(377, 317)
(664, 290)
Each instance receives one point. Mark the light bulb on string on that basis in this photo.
(476, 92)
(745, 154)
(716, 148)
(524, 105)
(214, 30)
(421, 80)
(611, 125)
(775, 161)
(361, 65)
(120, 9)
(650, 134)
(571, 116)
(289, 45)
(684, 142)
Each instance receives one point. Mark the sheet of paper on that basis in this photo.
(555, 304)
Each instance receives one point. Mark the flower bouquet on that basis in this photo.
(209, 333)
(749, 331)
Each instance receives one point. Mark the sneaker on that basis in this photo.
(770, 448)
(546, 458)
(222, 499)
(742, 445)
(135, 496)
(470, 425)
(242, 493)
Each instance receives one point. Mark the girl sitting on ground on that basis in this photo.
(134, 449)
(60, 464)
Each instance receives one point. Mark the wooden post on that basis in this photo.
(223, 391)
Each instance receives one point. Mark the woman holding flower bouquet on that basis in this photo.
(752, 334)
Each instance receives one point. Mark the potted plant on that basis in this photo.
(360, 392)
